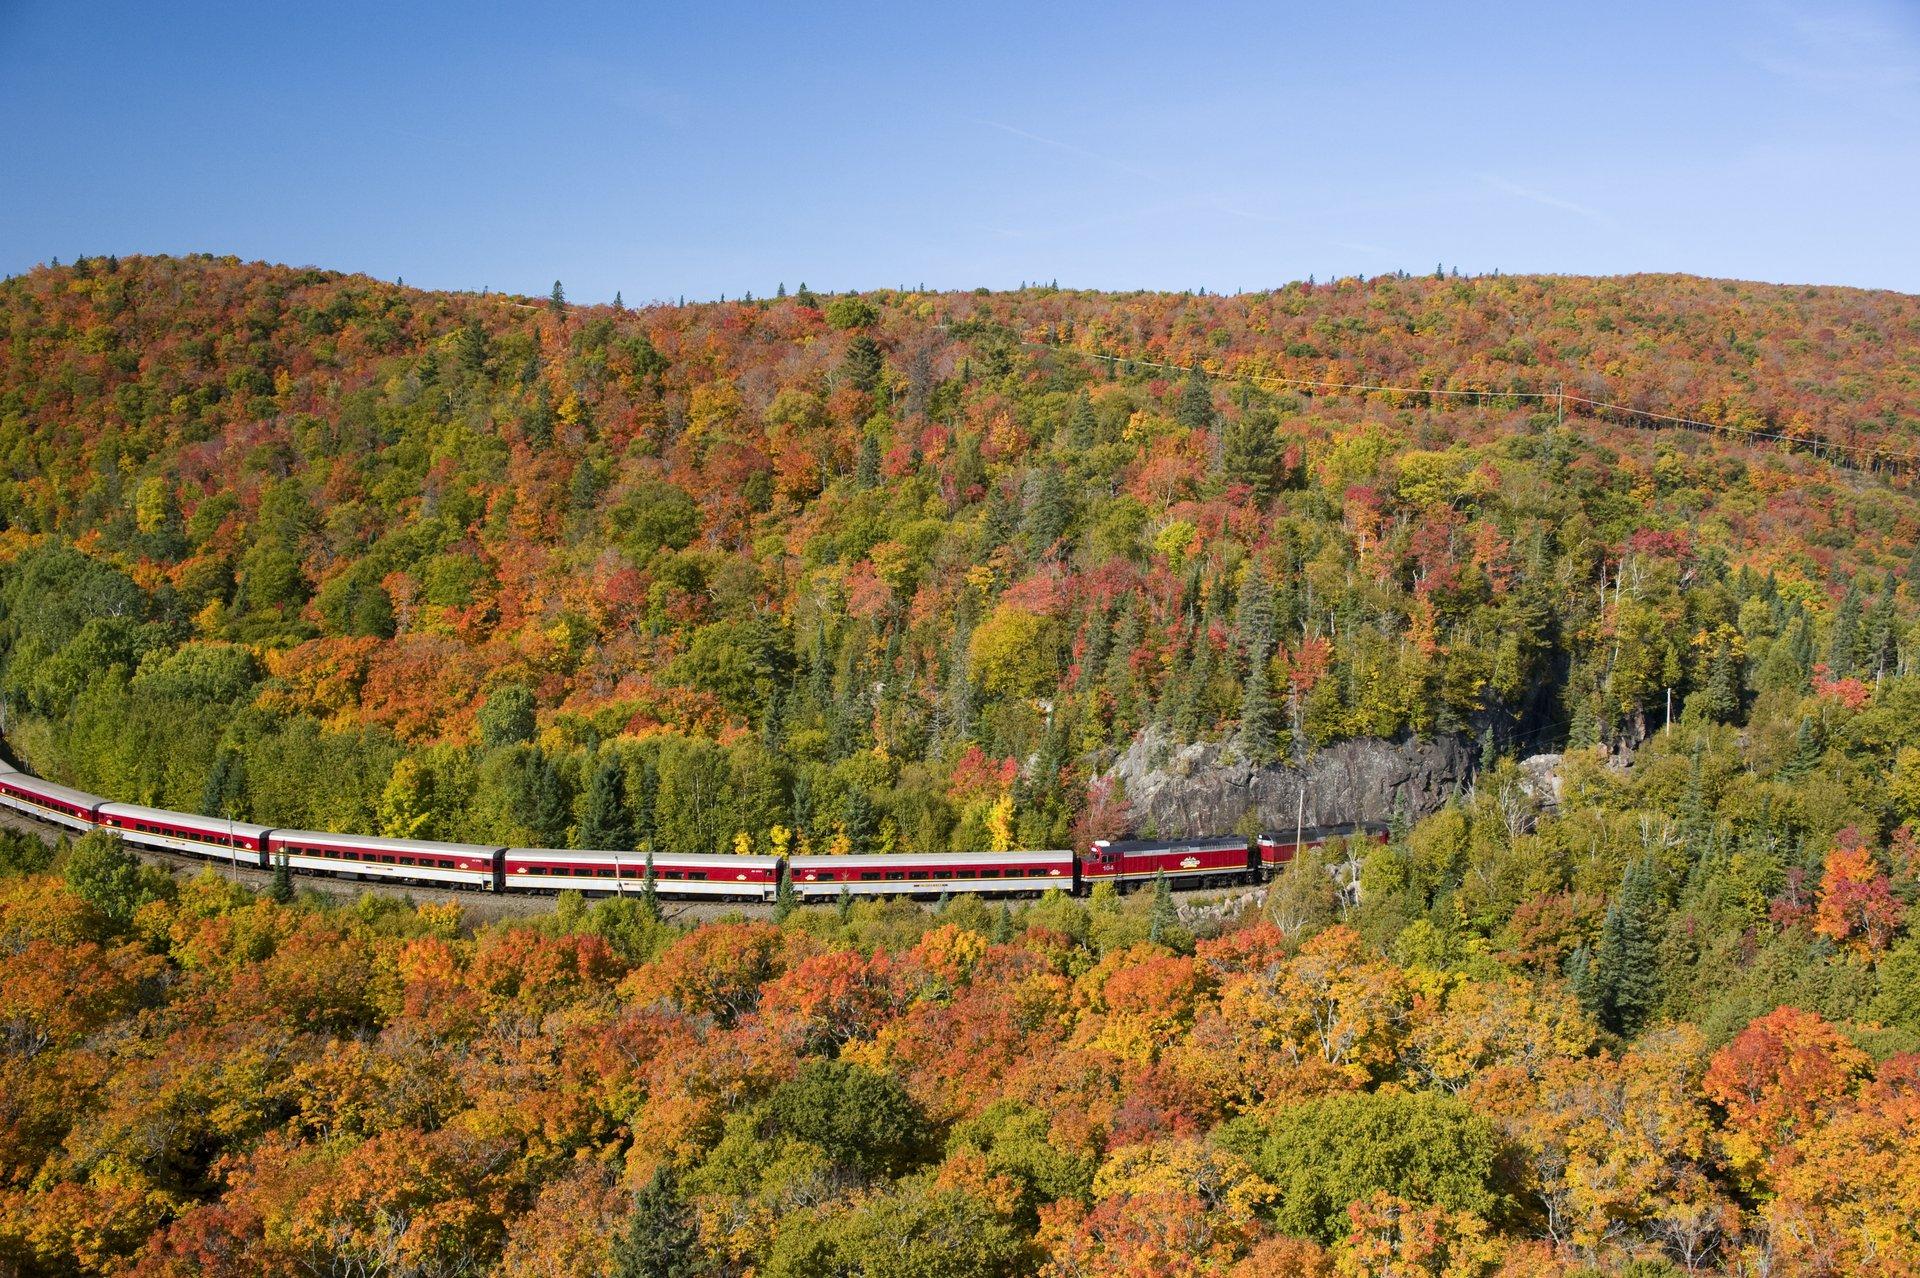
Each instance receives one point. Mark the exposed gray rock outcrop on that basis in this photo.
(1178, 791)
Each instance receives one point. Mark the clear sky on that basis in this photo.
(703, 149)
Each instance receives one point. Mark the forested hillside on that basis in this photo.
(901, 570)
(909, 571)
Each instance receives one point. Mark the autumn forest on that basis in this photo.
(1632, 986)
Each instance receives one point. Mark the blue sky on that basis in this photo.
(706, 149)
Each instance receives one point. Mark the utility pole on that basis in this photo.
(1560, 401)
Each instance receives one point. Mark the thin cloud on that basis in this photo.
(1120, 166)
(1547, 199)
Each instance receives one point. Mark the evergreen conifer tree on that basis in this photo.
(660, 1241)
(784, 901)
(1254, 615)
(1082, 425)
(1843, 640)
(1259, 715)
(1196, 402)
(226, 784)
(281, 889)
(1880, 649)
(1807, 749)
(650, 893)
(862, 363)
(605, 823)
(1162, 918)
(1250, 453)
(1722, 693)
(1627, 961)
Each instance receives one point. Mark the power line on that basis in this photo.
(1839, 454)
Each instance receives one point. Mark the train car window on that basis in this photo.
(698, 876)
(386, 860)
(536, 869)
(827, 875)
(605, 873)
(868, 876)
(988, 874)
(406, 860)
(893, 875)
(943, 874)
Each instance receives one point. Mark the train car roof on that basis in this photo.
(636, 861)
(1174, 845)
(370, 843)
(53, 789)
(219, 825)
(941, 860)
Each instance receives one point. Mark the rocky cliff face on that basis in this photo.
(1179, 791)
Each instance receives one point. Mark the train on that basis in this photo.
(1125, 863)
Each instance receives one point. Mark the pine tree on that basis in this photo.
(1807, 749)
(843, 907)
(1722, 693)
(862, 363)
(605, 824)
(619, 303)
(548, 805)
(226, 785)
(661, 1241)
(1627, 962)
(557, 303)
(640, 802)
(1253, 615)
(1259, 715)
(650, 892)
(1162, 918)
(859, 818)
(784, 900)
(1196, 402)
(1880, 649)
(1250, 453)
(1843, 640)
(472, 347)
(1584, 981)
(1696, 814)
(1002, 926)
(1048, 511)
(1082, 425)
(867, 473)
(281, 889)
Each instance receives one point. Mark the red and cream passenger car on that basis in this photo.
(926, 873)
(755, 878)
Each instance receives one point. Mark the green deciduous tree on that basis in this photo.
(1323, 1154)
(506, 717)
